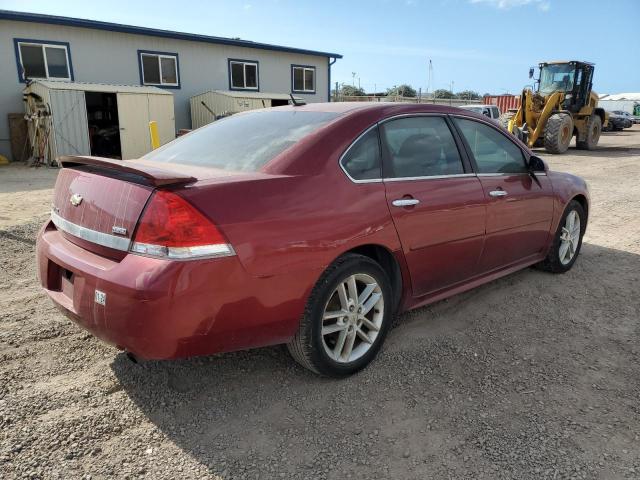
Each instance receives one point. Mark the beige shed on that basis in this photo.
(76, 118)
(208, 106)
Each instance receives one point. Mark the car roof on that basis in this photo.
(350, 108)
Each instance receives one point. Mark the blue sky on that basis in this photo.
(482, 45)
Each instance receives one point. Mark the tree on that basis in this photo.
(468, 95)
(403, 90)
(442, 93)
(351, 91)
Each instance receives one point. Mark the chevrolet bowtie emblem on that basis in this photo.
(76, 199)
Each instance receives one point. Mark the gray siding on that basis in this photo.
(110, 57)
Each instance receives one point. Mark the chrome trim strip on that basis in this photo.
(100, 238)
(413, 114)
(501, 174)
(429, 177)
(371, 180)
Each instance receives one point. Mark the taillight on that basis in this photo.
(171, 228)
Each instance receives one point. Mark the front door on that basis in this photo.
(133, 116)
(437, 207)
(519, 206)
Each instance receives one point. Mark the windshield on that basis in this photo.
(554, 78)
(242, 142)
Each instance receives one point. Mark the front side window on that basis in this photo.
(243, 75)
(420, 147)
(226, 144)
(160, 69)
(493, 151)
(43, 60)
(304, 79)
(362, 160)
(556, 78)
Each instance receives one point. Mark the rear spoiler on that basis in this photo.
(153, 175)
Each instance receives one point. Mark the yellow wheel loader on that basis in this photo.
(561, 106)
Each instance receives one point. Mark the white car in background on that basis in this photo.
(490, 111)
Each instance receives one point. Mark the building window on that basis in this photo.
(43, 60)
(243, 75)
(303, 79)
(159, 69)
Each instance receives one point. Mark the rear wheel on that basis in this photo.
(567, 240)
(594, 128)
(346, 318)
(558, 133)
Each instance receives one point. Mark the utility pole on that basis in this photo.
(451, 97)
(429, 77)
(353, 79)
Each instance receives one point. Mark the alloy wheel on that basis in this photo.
(569, 237)
(352, 318)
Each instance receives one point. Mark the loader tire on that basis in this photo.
(594, 128)
(558, 133)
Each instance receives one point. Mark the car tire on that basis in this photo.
(594, 128)
(558, 133)
(557, 260)
(323, 338)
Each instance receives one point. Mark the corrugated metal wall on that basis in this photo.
(221, 104)
(69, 117)
(504, 102)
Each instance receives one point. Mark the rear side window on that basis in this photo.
(242, 142)
(420, 147)
(493, 152)
(362, 160)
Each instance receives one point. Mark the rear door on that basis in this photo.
(436, 202)
(519, 206)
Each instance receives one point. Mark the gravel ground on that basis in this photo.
(534, 376)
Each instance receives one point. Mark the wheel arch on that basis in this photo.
(389, 263)
(584, 203)
(600, 112)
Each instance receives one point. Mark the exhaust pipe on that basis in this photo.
(132, 357)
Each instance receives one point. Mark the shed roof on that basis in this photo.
(154, 32)
(622, 96)
(258, 95)
(101, 87)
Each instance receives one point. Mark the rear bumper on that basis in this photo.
(160, 309)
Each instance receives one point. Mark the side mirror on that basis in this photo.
(531, 70)
(536, 164)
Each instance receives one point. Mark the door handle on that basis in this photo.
(498, 193)
(405, 202)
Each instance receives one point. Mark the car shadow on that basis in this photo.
(241, 413)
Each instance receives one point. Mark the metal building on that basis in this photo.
(208, 106)
(48, 47)
(74, 118)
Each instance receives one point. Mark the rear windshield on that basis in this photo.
(243, 142)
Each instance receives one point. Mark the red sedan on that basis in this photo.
(306, 225)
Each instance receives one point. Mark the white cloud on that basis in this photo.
(543, 5)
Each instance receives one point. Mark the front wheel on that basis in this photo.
(558, 133)
(567, 240)
(346, 318)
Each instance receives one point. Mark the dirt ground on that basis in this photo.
(533, 376)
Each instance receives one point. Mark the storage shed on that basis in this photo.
(208, 106)
(75, 118)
